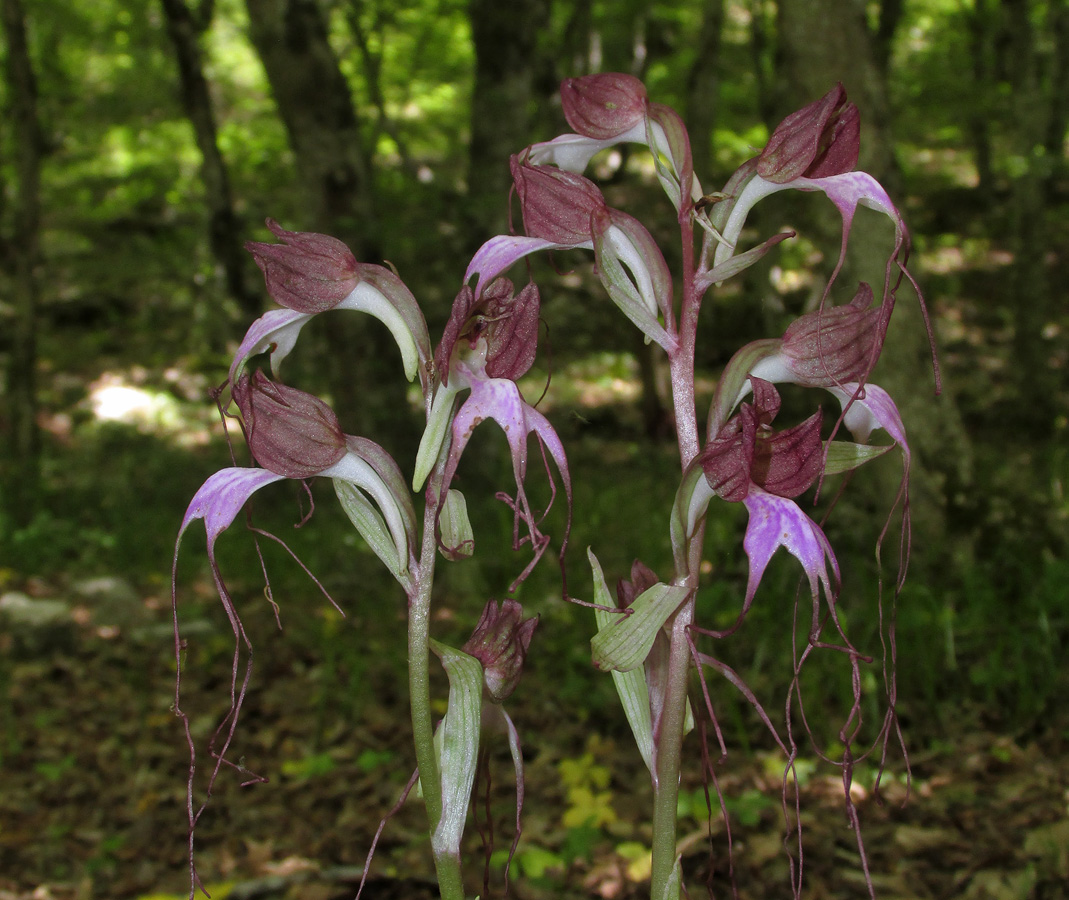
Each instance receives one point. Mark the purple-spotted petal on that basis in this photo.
(500, 252)
(275, 331)
(222, 496)
(871, 409)
(500, 400)
(778, 522)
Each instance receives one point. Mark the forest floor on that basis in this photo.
(93, 784)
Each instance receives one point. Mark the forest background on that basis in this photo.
(142, 143)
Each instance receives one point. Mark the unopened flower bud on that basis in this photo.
(641, 580)
(603, 106)
(836, 344)
(557, 206)
(500, 643)
(819, 140)
(290, 432)
(308, 272)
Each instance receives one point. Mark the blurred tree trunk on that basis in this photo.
(821, 42)
(576, 40)
(762, 57)
(506, 67)
(982, 21)
(316, 107)
(1058, 91)
(225, 232)
(371, 63)
(703, 90)
(886, 27)
(21, 252)
(1031, 72)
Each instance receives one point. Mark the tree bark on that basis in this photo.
(703, 90)
(225, 232)
(506, 65)
(982, 23)
(21, 256)
(1030, 297)
(316, 106)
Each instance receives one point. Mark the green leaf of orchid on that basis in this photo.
(370, 525)
(689, 508)
(674, 884)
(457, 541)
(457, 744)
(439, 420)
(635, 275)
(626, 643)
(630, 686)
(844, 456)
(742, 261)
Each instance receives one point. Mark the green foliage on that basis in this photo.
(128, 282)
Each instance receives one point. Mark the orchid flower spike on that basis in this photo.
(488, 343)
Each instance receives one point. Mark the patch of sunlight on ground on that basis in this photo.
(127, 398)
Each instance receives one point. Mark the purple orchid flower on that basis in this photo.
(834, 348)
(295, 435)
(815, 149)
(488, 343)
(565, 211)
(748, 462)
(313, 273)
(612, 108)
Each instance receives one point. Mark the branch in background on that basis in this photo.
(372, 65)
(22, 253)
(224, 229)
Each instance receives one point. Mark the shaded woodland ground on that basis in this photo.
(92, 805)
(137, 313)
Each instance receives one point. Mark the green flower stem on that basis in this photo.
(669, 756)
(670, 735)
(681, 362)
(447, 866)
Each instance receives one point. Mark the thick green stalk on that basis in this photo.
(669, 757)
(447, 866)
(669, 737)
